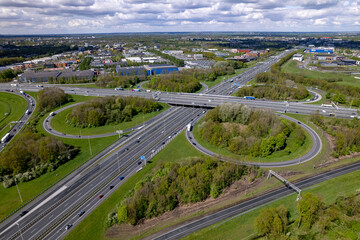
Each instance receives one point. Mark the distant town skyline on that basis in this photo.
(110, 16)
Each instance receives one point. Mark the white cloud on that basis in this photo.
(74, 16)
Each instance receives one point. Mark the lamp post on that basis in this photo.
(18, 190)
(20, 231)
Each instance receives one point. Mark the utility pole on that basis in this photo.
(20, 231)
(18, 190)
(89, 145)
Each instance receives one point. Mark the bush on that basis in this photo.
(51, 97)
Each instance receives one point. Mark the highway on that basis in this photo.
(48, 216)
(241, 208)
(80, 190)
(17, 127)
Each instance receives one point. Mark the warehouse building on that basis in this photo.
(160, 69)
(45, 76)
(130, 71)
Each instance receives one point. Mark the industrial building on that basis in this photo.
(160, 69)
(45, 76)
(328, 50)
(146, 70)
(298, 57)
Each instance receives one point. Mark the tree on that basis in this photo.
(272, 222)
(308, 208)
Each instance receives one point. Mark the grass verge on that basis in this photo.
(94, 225)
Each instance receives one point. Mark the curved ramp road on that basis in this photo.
(31, 104)
(313, 152)
(49, 129)
(244, 207)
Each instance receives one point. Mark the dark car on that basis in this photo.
(23, 213)
(299, 122)
(81, 213)
(194, 144)
(111, 187)
(139, 163)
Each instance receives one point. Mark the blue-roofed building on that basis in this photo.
(131, 71)
(160, 69)
(329, 50)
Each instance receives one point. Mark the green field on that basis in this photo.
(348, 80)
(59, 123)
(242, 227)
(94, 225)
(279, 156)
(12, 107)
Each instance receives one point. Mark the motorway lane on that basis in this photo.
(31, 104)
(251, 204)
(100, 179)
(313, 152)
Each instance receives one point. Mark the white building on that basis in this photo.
(298, 57)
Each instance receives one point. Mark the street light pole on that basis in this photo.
(18, 190)
(20, 231)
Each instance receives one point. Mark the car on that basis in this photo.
(153, 151)
(214, 90)
(169, 137)
(68, 226)
(299, 122)
(163, 143)
(194, 144)
(100, 196)
(139, 163)
(190, 137)
(23, 213)
(81, 213)
(111, 187)
(127, 149)
(121, 178)
(14, 130)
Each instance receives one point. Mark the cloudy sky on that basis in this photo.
(104, 16)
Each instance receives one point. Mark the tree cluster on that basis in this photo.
(274, 92)
(10, 60)
(173, 184)
(85, 64)
(247, 132)
(314, 221)
(7, 75)
(175, 82)
(107, 110)
(51, 97)
(32, 155)
(113, 80)
(346, 133)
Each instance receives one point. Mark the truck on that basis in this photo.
(6, 138)
(136, 90)
(249, 98)
(189, 127)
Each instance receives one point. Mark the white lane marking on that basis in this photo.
(35, 208)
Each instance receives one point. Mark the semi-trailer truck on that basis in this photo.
(249, 98)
